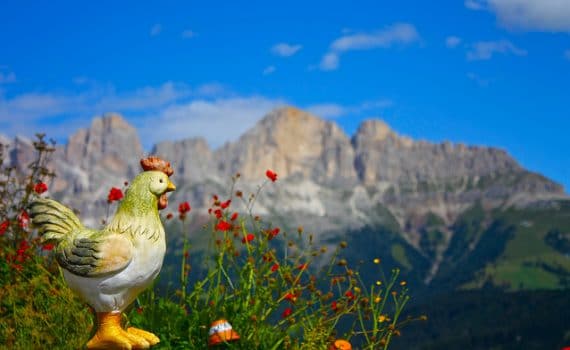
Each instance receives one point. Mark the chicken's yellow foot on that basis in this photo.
(148, 336)
(110, 335)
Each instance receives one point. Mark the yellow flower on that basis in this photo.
(356, 290)
(378, 283)
(381, 318)
(403, 283)
(377, 261)
(377, 300)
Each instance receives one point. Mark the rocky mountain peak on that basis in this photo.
(292, 142)
(374, 129)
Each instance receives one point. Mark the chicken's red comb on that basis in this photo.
(158, 164)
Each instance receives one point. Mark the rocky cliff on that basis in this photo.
(328, 181)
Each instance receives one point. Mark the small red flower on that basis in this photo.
(302, 267)
(169, 216)
(274, 267)
(248, 238)
(139, 310)
(334, 306)
(349, 295)
(223, 226)
(271, 175)
(4, 226)
(218, 213)
(24, 219)
(273, 233)
(40, 187)
(215, 197)
(290, 297)
(18, 267)
(184, 208)
(226, 204)
(115, 194)
(234, 216)
(287, 312)
(48, 246)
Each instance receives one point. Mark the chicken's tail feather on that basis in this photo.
(54, 220)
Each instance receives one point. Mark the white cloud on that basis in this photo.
(399, 33)
(155, 29)
(484, 50)
(452, 41)
(334, 110)
(528, 15)
(567, 54)
(187, 34)
(218, 121)
(476, 78)
(6, 78)
(285, 50)
(329, 61)
(473, 4)
(268, 70)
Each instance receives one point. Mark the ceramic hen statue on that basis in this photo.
(108, 268)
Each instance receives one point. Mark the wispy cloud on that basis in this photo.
(528, 15)
(218, 121)
(268, 70)
(155, 29)
(335, 110)
(399, 33)
(285, 50)
(484, 50)
(477, 79)
(188, 34)
(6, 78)
(452, 41)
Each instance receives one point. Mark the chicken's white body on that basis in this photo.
(115, 292)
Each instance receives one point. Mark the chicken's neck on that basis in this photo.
(138, 216)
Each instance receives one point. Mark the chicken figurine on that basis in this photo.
(108, 268)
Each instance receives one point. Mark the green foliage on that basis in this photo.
(279, 290)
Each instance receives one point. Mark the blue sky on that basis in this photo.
(484, 72)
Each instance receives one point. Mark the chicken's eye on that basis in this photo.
(161, 181)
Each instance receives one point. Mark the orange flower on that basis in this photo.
(40, 187)
(271, 175)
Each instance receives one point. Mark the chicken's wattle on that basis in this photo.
(162, 202)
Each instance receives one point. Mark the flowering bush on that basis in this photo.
(279, 290)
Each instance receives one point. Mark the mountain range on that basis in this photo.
(459, 215)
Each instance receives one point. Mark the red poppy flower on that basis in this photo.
(223, 226)
(274, 267)
(273, 233)
(290, 297)
(48, 246)
(234, 216)
(184, 208)
(23, 219)
(287, 312)
(349, 295)
(40, 188)
(218, 213)
(271, 175)
(115, 194)
(225, 204)
(4, 226)
(248, 238)
(334, 306)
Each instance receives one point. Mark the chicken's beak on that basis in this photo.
(170, 186)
